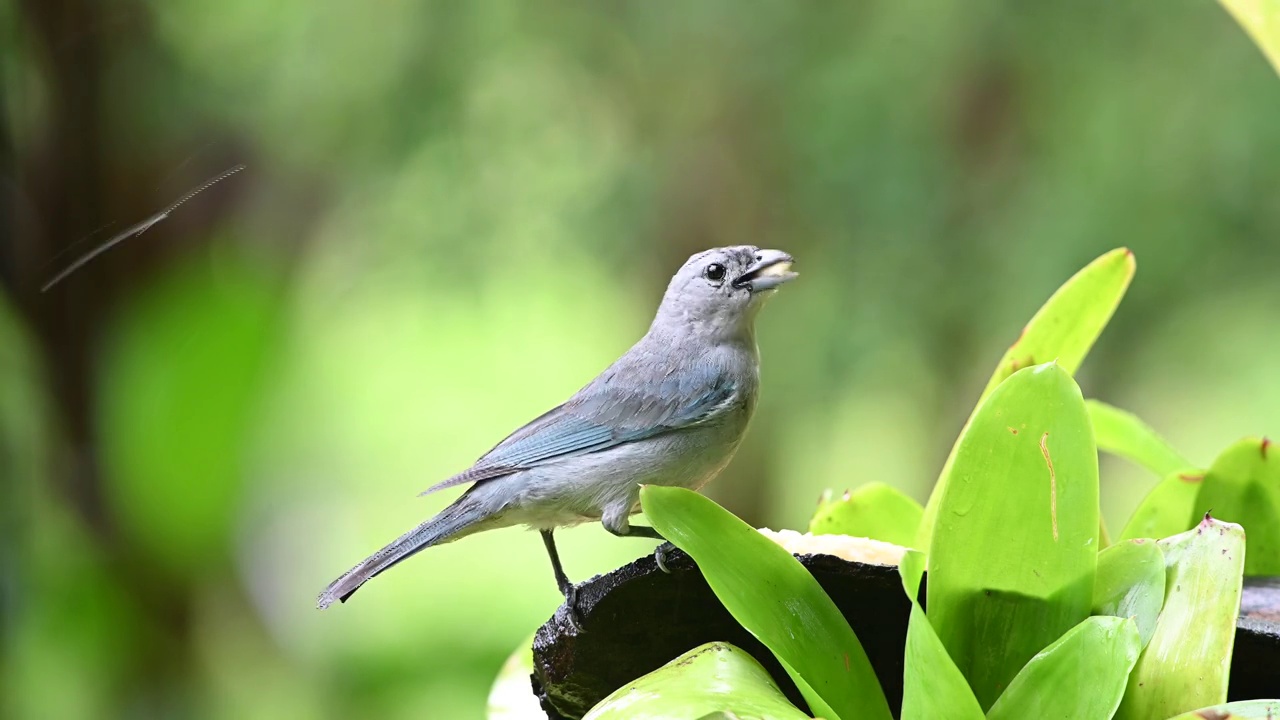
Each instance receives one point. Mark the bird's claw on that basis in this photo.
(571, 608)
(660, 555)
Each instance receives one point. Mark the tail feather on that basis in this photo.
(450, 524)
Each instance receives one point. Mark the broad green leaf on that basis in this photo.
(1012, 563)
(715, 680)
(1081, 676)
(1261, 19)
(1164, 511)
(933, 688)
(1064, 329)
(1130, 584)
(1122, 433)
(1243, 486)
(776, 599)
(1240, 710)
(875, 510)
(1185, 665)
(511, 697)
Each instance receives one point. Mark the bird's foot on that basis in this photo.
(660, 555)
(571, 608)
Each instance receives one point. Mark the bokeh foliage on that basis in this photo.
(457, 213)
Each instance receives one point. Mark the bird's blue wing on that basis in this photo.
(594, 421)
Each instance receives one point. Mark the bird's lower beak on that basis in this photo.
(771, 269)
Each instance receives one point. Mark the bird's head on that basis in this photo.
(720, 290)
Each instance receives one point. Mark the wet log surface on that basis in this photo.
(636, 619)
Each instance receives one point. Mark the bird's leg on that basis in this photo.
(567, 588)
(644, 531)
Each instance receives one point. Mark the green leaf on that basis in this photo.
(933, 688)
(715, 680)
(875, 510)
(1185, 665)
(1081, 676)
(776, 599)
(1064, 329)
(1122, 433)
(1070, 321)
(1130, 584)
(1012, 563)
(511, 697)
(1164, 511)
(1261, 19)
(1243, 486)
(1241, 710)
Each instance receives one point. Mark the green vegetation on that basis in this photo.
(1028, 611)
(875, 510)
(454, 214)
(794, 618)
(1015, 546)
(1186, 663)
(1062, 332)
(716, 677)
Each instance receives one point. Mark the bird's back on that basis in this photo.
(672, 423)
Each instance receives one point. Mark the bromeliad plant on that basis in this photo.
(1030, 611)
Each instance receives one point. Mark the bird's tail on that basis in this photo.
(459, 519)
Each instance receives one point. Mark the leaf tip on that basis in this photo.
(1130, 261)
(1045, 366)
(1266, 442)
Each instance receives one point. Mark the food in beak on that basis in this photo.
(772, 270)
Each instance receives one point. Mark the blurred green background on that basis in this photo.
(455, 214)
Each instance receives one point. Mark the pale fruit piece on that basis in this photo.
(854, 549)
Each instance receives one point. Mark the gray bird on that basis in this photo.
(671, 411)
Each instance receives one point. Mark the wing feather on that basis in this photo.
(601, 417)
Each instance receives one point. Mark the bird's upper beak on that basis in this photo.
(771, 269)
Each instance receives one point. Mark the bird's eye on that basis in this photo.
(714, 272)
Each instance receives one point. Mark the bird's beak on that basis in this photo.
(771, 269)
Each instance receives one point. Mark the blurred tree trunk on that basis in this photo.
(65, 185)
